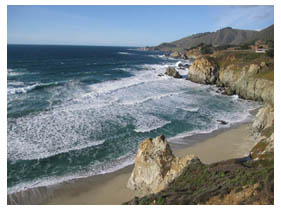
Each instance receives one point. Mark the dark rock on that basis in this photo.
(228, 92)
(222, 122)
(180, 65)
(220, 90)
(160, 75)
(172, 72)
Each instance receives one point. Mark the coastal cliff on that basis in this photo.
(203, 70)
(243, 73)
(247, 180)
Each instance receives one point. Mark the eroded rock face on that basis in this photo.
(172, 72)
(203, 70)
(175, 54)
(243, 83)
(156, 166)
(263, 127)
(264, 118)
(240, 80)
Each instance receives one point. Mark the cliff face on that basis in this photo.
(203, 70)
(245, 84)
(263, 129)
(156, 166)
(245, 79)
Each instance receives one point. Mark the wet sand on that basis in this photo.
(111, 188)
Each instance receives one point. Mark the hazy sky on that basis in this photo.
(127, 25)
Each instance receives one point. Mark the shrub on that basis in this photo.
(270, 53)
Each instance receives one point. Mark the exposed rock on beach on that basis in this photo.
(156, 166)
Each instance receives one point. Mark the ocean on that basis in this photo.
(78, 111)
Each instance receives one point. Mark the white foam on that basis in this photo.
(235, 97)
(145, 100)
(125, 53)
(189, 109)
(96, 169)
(149, 123)
(139, 97)
(13, 72)
(21, 89)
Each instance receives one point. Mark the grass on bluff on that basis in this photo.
(267, 74)
(240, 58)
(200, 182)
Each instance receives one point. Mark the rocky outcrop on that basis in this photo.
(156, 166)
(237, 79)
(172, 72)
(203, 70)
(244, 83)
(237, 181)
(175, 54)
(263, 130)
(264, 118)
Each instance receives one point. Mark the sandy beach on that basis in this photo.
(111, 188)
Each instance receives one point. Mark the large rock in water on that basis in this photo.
(156, 166)
(175, 54)
(172, 72)
(203, 70)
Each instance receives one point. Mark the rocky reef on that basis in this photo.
(156, 166)
(172, 72)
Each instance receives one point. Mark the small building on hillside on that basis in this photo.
(260, 47)
(261, 50)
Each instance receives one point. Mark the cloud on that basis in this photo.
(244, 16)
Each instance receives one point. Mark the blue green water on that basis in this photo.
(77, 111)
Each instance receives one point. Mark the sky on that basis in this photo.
(127, 25)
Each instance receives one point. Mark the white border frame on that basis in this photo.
(3, 84)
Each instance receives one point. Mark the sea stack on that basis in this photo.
(156, 166)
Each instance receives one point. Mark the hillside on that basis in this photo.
(225, 36)
(266, 34)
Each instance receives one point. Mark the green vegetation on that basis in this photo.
(242, 58)
(270, 53)
(267, 131)
(245, 47)
(206, 49)
(199, 183)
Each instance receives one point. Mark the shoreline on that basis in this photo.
(110, 188)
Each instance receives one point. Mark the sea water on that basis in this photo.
(78, 111)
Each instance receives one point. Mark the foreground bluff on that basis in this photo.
(156, 166)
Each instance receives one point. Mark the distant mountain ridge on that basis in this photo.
(225, 36)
